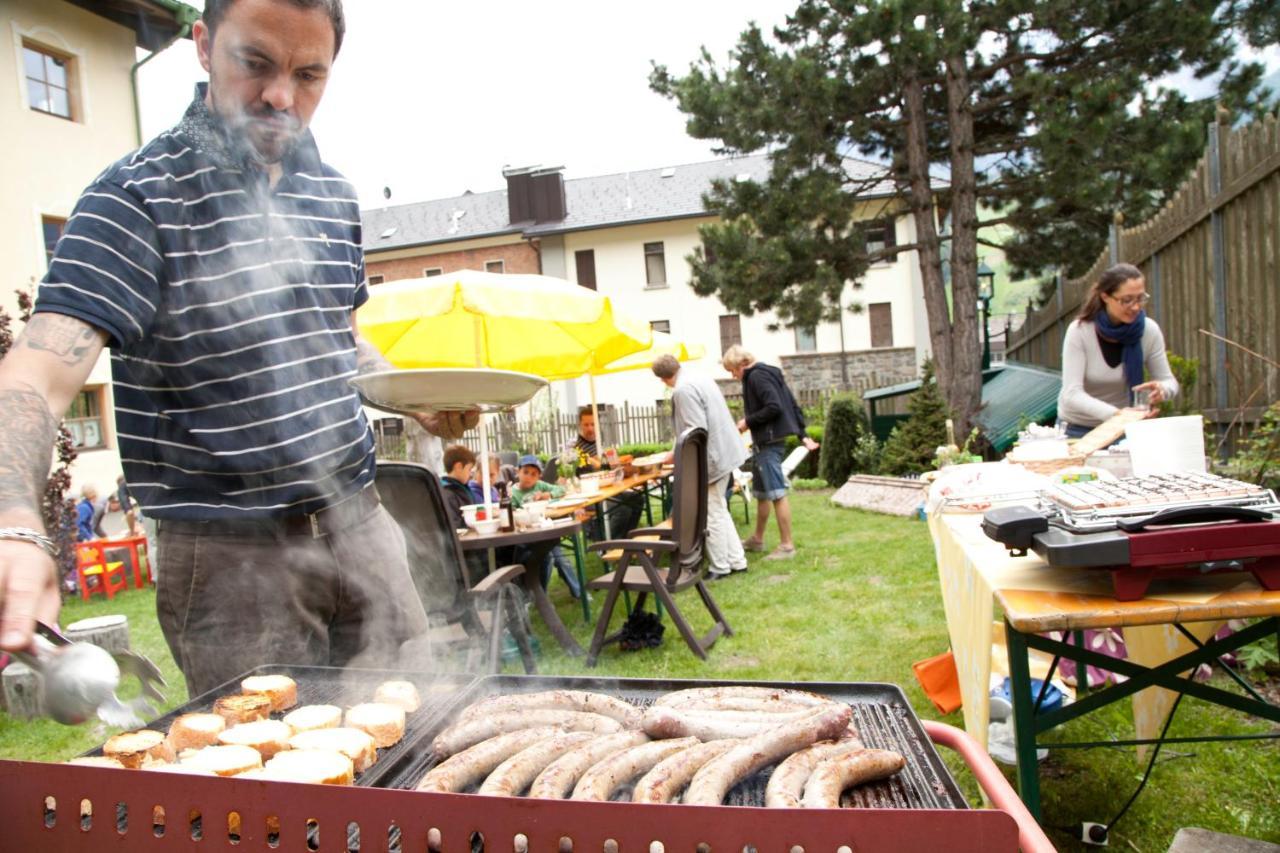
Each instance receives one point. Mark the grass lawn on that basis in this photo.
(860, 603)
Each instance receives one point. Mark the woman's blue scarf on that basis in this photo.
(1129, 336)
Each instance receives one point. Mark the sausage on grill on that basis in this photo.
(713, 781)
(706, 724)
(465, 733)
(558, 700)
(558, 779)
(516, 773)
(670, 775)
(834, 775)
(786, 784)
(473, 764)
(743, 697)
(605, 777)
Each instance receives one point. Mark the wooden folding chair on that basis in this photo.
(665, 561)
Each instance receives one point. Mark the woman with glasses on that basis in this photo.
(1106, 351)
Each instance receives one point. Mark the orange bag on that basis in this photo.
(937, 675)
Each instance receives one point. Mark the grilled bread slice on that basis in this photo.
(185, 769)
(401, 693)
(266, 736)
(310, 717)
(227, 760)
(353, 743)
(195, 731)
(385, 723)
(95, 761)
(280, 689)
(133, 749)
(243, 708)
(317, 766)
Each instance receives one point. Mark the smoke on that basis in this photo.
(257, 133)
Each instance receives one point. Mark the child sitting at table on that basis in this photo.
(498, 484)
(459, 462)
(528, 487)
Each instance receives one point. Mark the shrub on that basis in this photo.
(846, 421)
(809, 467)
(1257, 458)
(1187, 372)
(911, 446)
(808, 484)
(641, 449)
(866, 454)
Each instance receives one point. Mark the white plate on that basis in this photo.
(447, 389)
(571, 500)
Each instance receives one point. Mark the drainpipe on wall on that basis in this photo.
(187, 19)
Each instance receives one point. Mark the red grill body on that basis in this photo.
(198, 811)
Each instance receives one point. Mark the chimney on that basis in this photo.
(535, 193)
(519, 193)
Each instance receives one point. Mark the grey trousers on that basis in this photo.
(228, 604)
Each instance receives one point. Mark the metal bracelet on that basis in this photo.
(35, 537)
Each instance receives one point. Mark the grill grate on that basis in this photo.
(882, 717)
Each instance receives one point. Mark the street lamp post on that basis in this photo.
(986, 290)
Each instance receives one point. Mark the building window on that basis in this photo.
(879, 234)
(48, 80)
(663, 326)
(53, 228)
(495, 266)
(585, 260)
(881, 314)
(806, 339)
(375, 279)
(433, 271)
(730, 331)
(84, 420)
(655, 265)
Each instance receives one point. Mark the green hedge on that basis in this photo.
(642, 449)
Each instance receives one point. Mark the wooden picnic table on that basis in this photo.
(540, 540)
(1168, 634)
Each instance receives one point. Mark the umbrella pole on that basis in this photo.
(484, 466)
(595, 416)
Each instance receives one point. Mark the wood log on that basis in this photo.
(109, 632)
(23, 691)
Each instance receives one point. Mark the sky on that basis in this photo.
(433, 99)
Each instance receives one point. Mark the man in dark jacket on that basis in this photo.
(772, 414)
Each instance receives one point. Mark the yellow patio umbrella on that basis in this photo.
(663, 344)
(529, 323)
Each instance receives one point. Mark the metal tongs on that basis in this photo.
(80, 680)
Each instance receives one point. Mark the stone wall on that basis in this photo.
(874, 368)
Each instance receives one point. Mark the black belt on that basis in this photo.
(331, 519)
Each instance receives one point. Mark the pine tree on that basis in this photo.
(846, 422)
(911, 447)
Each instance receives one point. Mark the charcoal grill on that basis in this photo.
(921, 809)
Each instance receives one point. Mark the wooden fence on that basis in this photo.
(548, 434)
(1211, 259)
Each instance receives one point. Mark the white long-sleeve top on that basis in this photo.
(1092, 390)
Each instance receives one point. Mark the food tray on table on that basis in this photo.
(322, 685)
(881, 714)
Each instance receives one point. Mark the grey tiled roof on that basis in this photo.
(595, 202)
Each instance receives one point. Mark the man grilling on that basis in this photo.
(221, 264)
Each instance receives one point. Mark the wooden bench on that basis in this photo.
(616, 554)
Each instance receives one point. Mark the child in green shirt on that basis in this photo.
(529, 485)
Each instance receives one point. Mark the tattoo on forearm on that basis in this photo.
(368, 359)
(65, 337)
(26, 445)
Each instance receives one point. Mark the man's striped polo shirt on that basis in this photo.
(228, 305)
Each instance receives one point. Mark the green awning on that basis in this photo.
(1018, 395)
